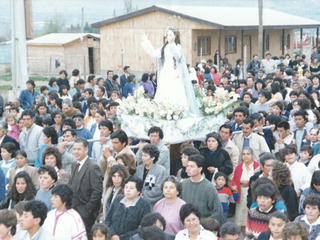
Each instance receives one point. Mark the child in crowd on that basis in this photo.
(276, 224)
(211, 225)
(258, 218)
(44, 92)
(130, 86)
(264, 97)
(306, 153)
(115, 96)
(15, 111)
(300, 174)
(277, 109)
(225, 194)
(63, 92)
(99, 231)
(242, 84)
(13, 129)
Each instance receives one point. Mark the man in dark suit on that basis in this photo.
(4, 138)
(86, 184)
(266, 133)
(254, 64)
(240, 113)
(300, 118)
(109, 83)
(123, 78)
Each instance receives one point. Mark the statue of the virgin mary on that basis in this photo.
(174, 84)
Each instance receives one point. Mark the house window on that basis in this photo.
(286, 41)
(204, 43)
(266, 42)
(231, 44)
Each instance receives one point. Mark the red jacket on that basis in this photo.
(237, 176)
(200, 78)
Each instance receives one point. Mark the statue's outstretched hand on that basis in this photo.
(144, 37)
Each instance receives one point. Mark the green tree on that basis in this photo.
(55, 24)
(128, 8)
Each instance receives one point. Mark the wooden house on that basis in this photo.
(203, 29)
(50, 54)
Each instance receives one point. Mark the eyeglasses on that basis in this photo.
(192, 220)
(77, 119)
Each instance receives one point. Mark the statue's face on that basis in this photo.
(170, 36)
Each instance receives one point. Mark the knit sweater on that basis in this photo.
(219, 159)
(315, 228)
(204, 195)
(257, 222)
(124, 221)
(152, 184)
(308, 191)
(226, 197)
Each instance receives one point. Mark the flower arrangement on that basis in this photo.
(222, 101)
(141, 105)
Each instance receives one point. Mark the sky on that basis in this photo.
(97, 10)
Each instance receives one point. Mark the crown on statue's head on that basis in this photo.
(173, 29)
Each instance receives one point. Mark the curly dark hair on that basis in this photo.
(152, 151)
(50, 132)
(123, 172)
(129, 162)
(28, 194)
(187, 209)
(281, 175)
(38, 209)
(55, 152)
(293, 229)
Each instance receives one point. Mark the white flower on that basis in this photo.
(175, 117)
(168, 117)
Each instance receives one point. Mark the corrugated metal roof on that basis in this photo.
(227, 18)
(60, 38)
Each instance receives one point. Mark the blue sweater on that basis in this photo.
(84, 133)
(128, 89)
(27, 98)
(55, 88)
(45, 196)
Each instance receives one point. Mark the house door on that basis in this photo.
(247, 46)
(91, 69)
(96, 63)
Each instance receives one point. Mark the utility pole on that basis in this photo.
(19, 47)
(260, 29)
(82, 20)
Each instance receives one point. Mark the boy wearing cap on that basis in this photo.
(28, 96)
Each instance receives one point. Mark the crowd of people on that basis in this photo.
(68, 170)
